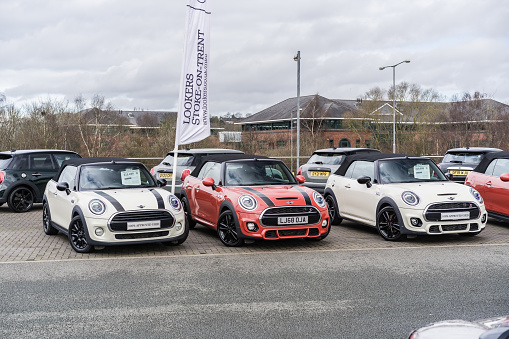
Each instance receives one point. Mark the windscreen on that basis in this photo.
(409, 170)
(326, 159)
(257, 173)
(109, 176)
(463, 157)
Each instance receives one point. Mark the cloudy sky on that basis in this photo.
(131, 51)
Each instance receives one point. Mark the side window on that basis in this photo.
(61, 157)
(20, 162)
(68, 175)
(349, 171)
(204, 170)
(501, 167)
(491, 166)
(214, 172)
(41, 161)
(364, 168)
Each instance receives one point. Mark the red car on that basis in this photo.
(252, 197)
(491, 179)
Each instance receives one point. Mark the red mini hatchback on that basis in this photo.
(252, 197)
(491, 179)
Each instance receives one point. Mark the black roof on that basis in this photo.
(486, 160)
(220, 158)
(84, 161)
(367, 156)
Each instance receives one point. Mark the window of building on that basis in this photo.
(344, 143)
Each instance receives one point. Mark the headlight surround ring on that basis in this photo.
(319, 199)
(97, 206)
(174, 203)
(476, 195)
(410, 198)
(248, 202)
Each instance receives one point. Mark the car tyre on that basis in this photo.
(227, 230)
(334, 217)
(187, 212)
(21, 199)
(179, 241)
(388, 224)
(46, 221)
(77, 236)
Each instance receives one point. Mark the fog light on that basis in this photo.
(99, 231)
(179, 226)
(252, 226)
(325, 222)
(416, 222)
(484, 218)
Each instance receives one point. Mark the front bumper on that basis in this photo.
(281, 232)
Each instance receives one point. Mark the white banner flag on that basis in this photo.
(193, 121)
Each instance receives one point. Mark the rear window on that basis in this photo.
(4, 161)
(326, 159)
(463, 157)
(61, 157)
(182, 160)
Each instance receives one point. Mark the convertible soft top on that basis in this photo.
(486, 160)
(372, 156)
(83, 161)
(226, 157)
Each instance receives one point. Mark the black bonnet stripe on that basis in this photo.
(307, 199)
(159, 198)
(262, 196)
(112, 200)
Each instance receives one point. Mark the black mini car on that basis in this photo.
(460, 161)
(25, 173)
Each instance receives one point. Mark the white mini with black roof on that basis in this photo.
(402, 195)
(111, 201)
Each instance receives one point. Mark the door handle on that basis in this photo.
(488, 184)
(197, 189)
(347, 186)
(36, 174)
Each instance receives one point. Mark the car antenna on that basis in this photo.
(13, 150)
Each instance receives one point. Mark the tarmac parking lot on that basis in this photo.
(22, 239)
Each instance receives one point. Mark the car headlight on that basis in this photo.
(410, 198)
(248, 202)
(96, 206)
(476, 195)
(175, 203)
(318, 198)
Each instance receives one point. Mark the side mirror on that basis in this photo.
(504, 177)
(449, 176)
(185, 173)
(300, 179)
(209, 182)
(162, 182)
(365, 180)
(63, 186)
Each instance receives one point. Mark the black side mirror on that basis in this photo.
(63, 186)
(449, 176)
(365, 181)
(162, 182)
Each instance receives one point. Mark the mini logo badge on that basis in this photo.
(451, 198)
(289, 202)
(141, 206)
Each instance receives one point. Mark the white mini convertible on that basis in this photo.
(111, 201)
(402, 195)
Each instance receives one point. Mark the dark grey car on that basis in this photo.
(323, 162)
(186, 159)
(460, 161)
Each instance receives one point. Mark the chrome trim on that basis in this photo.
(297, 213)
(142, 230)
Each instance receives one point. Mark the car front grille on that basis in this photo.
(119, 221)
(434, 211)
(270, 216)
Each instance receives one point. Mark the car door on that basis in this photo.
(206, 196)
(60, 203)
(41, 169)
(495, 191)
(358, 201)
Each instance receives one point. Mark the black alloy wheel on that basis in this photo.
(227, 230)
(333, 211)
(187, 212)
(77, 236)
(46, 221)
(388, 224)
(21, 199)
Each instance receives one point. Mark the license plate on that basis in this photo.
(455, 215)
(318, 174)
(165, 175)
(292, 220)
(143, 225)
(453, 172)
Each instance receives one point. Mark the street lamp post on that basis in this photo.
(297, 58)
(394, 102)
